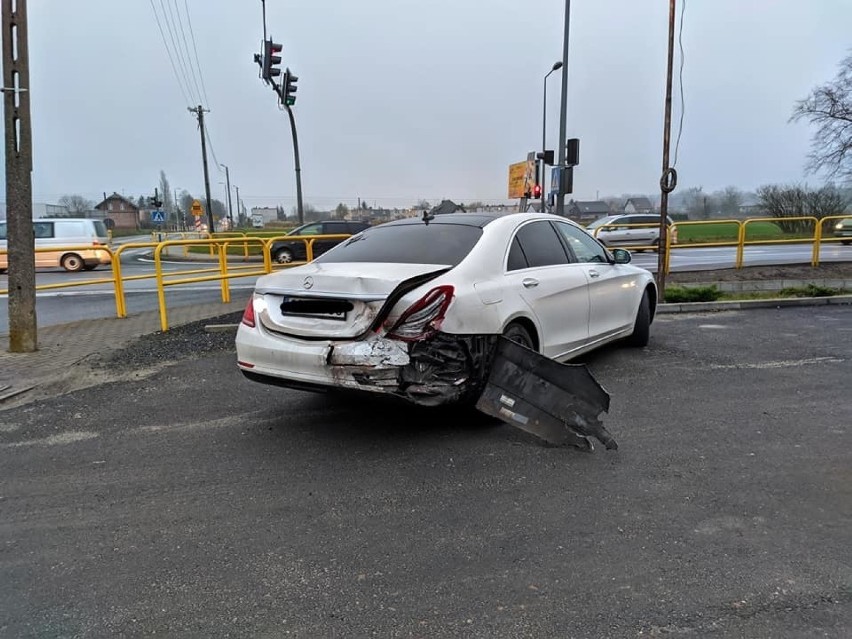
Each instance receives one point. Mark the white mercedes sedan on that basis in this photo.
(414, 308)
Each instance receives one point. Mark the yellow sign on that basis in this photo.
(517, 180)
(197, 211)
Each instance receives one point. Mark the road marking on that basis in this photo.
(55, 440)
(789, 363)
(712, 326)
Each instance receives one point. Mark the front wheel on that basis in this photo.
(846, 242)
(72, 263)
(642, 326)
(283, 256)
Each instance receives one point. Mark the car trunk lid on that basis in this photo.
(334, 300)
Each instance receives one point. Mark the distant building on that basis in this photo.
(268, 213)
(638, 205)
(592, 210)
(123, 213)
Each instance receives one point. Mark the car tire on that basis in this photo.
(515, 332)
(283, 256)
(642, 325)
(846, 242)
(72, 263)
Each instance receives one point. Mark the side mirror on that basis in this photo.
(621, 256)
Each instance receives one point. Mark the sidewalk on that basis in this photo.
(61, 347)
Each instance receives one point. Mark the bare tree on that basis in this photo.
(729, 201)
(76, 204)
(166, 193)
(790, 201)
(829, 108)
(341, 211)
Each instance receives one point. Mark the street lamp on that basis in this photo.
(556, 66)
(230, 210)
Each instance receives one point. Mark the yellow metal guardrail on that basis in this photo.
(223, 271)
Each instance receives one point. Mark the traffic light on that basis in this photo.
(271, 58)
(288, 88)
(536, 191)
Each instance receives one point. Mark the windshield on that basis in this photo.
(446, 244)
(601, 222)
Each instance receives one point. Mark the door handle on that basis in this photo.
(594, 273)
(530, 282)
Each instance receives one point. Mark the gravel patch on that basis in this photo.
(181, 342)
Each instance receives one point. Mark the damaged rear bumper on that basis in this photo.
(444, 369)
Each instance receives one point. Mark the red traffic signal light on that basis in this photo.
(537, 191)
(271, 58)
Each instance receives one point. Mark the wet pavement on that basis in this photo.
(183, 500)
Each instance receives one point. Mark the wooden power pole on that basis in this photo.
(23, 335)
(199, 113)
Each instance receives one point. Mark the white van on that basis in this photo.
(73, 238)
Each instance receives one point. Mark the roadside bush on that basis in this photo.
(680, 294)
(811, 290)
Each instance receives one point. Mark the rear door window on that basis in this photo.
(541, 245)
(43, 230)
(517, 260)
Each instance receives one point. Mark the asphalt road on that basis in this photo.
(193, 503)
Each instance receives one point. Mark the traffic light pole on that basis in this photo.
(23, 334)
(299, 209)
(563, 111)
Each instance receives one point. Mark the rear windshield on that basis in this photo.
(408, 244)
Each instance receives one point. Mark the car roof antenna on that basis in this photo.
(427, 217)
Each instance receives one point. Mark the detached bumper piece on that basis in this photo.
(559, 403)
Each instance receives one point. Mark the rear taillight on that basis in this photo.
(248, 314)
(424, 317)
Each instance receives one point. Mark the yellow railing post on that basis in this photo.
(817, 241)
(118, 283)
(741, 245)
(223, 269)
(161, 291)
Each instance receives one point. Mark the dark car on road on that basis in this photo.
(286, 251)
(844, 229)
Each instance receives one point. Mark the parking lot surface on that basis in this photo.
(190, 502)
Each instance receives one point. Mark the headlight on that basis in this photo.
(838, 226)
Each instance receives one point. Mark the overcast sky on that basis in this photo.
(404, 99)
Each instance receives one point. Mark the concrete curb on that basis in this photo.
(742, 305)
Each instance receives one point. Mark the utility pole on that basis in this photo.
(23, 333)
(228, 186)
(239, 210)
(668, 181)
(199, 113)
(563, 111)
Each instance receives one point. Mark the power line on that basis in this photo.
(168, 51)
(177, 51)
(195, 48)
(186, 48)
(212, 151)
(680, 83)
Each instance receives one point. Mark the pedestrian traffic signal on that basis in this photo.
(271, 58)
(537, 191)
(288, 88)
